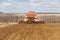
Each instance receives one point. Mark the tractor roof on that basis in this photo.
(30, 14)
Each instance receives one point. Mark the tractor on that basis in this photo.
(31, 18)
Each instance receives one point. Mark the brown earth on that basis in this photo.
(30, 32)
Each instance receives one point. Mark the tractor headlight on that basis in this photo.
(25, 19)
(36, 19)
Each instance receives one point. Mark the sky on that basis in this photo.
(23, 6)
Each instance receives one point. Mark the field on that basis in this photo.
(31, 32)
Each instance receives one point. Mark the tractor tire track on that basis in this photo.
(30, 32)
(6, 32)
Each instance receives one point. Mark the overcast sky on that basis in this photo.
(22, 6)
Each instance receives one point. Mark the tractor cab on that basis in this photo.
(31, 15)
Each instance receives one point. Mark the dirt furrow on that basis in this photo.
(31, 32)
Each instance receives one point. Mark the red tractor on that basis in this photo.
(31, 17)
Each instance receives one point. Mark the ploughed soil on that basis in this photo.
(31, 32)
